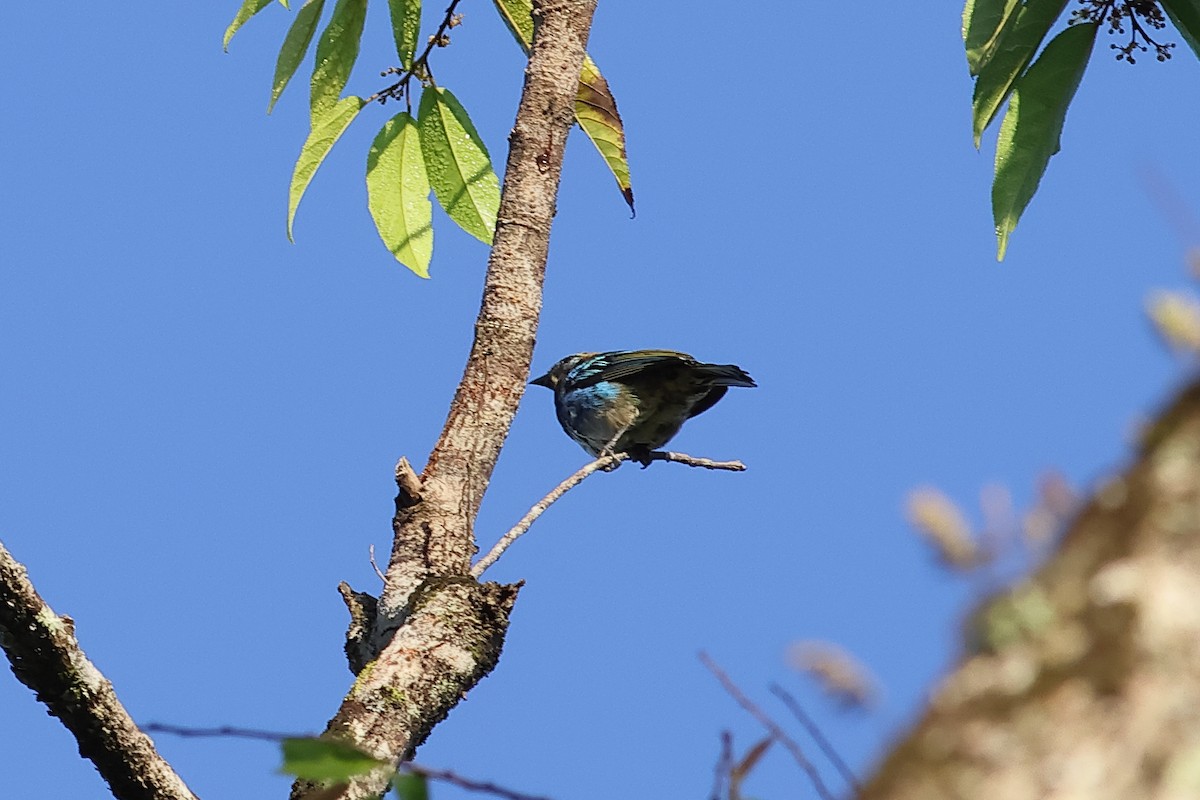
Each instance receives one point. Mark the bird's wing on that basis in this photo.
(621, 364)
(708, 401)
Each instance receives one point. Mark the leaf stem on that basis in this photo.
(421, 64)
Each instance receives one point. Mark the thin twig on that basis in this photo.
(771, 725)
(695, 461)
(724, 766)
(224, 731)
(604, 462)
(445, 775)
(607, 463)
(815, 732)
(374, 566)
(422, 62)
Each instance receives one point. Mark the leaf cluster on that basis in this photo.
(1001, 39)
(436, 149)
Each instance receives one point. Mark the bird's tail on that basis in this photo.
(726, 375)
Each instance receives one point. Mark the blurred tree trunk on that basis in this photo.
(1085, 680)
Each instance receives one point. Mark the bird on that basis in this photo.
(634, 401)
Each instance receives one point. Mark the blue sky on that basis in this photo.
(200, 419)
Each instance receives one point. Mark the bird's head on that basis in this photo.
(558, 373)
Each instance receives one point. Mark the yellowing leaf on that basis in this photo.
(398, 193)
(457, 163)
(336, 53)
(596, 110)
(295, 45)
(249, 9)
(321, 139)
(406, 28)
(595, 106)
(1030, 132)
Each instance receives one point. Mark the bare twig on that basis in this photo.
(45, 656)
(771, 725)
(606, 463)
(444, 775)
(724, 765)
(694, 461)
(815, 732)
(224, 731)
(374, 566)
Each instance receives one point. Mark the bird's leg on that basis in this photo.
(612, 443)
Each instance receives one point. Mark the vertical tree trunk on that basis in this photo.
(436, 631)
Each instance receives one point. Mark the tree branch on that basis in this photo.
(45, 656)
(605, 463)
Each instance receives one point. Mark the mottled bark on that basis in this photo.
(435, 536)
(1085, 679)
(436, 631)
(45, 656)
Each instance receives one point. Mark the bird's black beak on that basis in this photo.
(543, 380)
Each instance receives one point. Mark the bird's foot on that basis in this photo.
(642, 455)
(607, 452)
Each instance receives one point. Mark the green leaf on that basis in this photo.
(284, 3)
(313, 759)
(1029, 134)
(1016, 50)
(295, 45)
(410, 786)
(984, 24)
(406, 28)
(458, 165)
(321, 139)
(398, 193)
(336, 53)
(518, 16)
(595, 106)
(1185, 15)
(249, 9)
